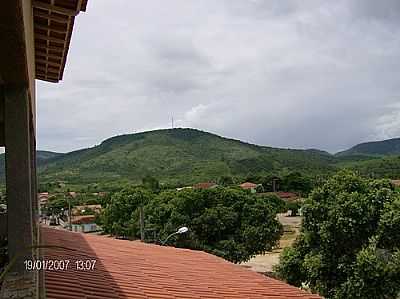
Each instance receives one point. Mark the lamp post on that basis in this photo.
(180, 231)
(69, 214)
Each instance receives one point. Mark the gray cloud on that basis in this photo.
(295, 73)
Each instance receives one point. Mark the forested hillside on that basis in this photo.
(186, 156)
(375, 148)
(179, 156)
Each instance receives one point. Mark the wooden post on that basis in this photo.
(19, 174)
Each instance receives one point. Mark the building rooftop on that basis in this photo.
(78, 209)
(53, 25)
(248, 185)
(131, 269)
(206, 185)
(85, 219)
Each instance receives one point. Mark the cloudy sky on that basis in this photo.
(300, 74)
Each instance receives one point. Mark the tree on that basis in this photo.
(151, 183)
(56, 205)
(121, 215)
(227, 222)
(226, 181)
(296, 182)
(278, 204)
(294, 207)
(349, 244)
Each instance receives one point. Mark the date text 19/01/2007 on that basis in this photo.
(59, 265)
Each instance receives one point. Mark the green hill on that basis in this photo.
(186, 156)
(178, 156)
(375, 148)
(385, 167)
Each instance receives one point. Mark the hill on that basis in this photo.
(385, 167)
(178, 156)
(186, 156)
(375, 148)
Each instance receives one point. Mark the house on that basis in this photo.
(73, 194)
(43, 201)
(78, 210)
(43, 196)
(250, 186)
(395, 183)
(84, 224)
(286, 196)
(131, 269)
(206, 185)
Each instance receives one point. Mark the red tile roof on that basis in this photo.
(205, 185)
(248, 185)
(86, 219)
(131, 269)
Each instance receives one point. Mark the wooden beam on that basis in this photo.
(49, 38)
(49, 62)
(50, 17)
(55, 8)
(44, 78)
(50, 28)
(43, 53)
(44, 47)
(49, 68)
(52, 75)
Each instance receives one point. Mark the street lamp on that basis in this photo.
(180, 231)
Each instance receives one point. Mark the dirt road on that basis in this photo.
(264, 263)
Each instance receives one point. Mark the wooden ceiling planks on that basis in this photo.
(53, 25)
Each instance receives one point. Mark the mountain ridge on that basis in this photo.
(387, 147)
(180, 155)
(185, 156)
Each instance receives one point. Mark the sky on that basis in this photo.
(283, 73)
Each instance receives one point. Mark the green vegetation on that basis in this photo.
(121, 215)
(177, 157)
(349, 245)
(61, 201)
(228, 222)
(181, 157)
(376, 148)
(386, 167)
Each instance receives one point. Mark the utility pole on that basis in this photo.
(141, 222)
(274, 185)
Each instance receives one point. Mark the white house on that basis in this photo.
(84, 224)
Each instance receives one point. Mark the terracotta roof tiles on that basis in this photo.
(206, 185)
(131, 269)
(248, 185)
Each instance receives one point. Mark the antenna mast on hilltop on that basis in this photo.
(172, 122)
